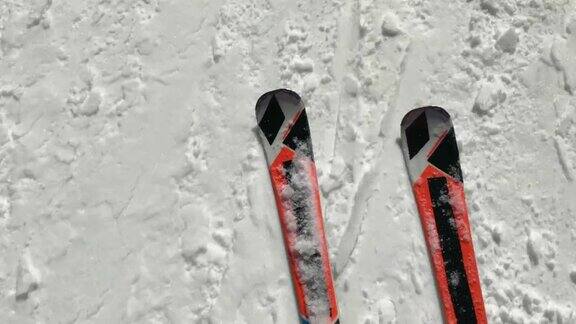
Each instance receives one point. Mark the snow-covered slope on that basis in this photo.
(133, 187)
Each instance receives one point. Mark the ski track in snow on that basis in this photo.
(133, 188)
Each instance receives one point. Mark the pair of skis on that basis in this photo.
(431, 156)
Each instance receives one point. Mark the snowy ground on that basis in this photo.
(133, 187)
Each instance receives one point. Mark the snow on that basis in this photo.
(299, 201)
(133, 187)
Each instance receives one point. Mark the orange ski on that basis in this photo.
(285, 136)
(433, 164)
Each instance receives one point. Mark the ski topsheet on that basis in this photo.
(285, 136)
(432, 159)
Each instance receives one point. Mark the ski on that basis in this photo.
(432, 160)
(285, 136)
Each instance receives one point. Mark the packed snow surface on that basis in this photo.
(133, 188)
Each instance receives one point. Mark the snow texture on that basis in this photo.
(298, 199)
(133, 188)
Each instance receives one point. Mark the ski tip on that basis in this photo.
(414, 113)
(278, 92)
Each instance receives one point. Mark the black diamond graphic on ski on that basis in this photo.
(446, 157)
(417, 135)
(299, 136)
(272, 120)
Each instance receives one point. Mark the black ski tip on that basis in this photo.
(269, 111)
(414, 113)
(268, 94)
